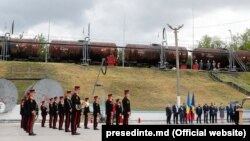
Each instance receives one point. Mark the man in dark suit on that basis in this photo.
(22, 112)
(61, 112)
(76, 109)
(44, 113)
(96, 111)
(205, 112)
(109, 110)
(184, 113)
(175, 112)
(86, 113)
(168, 114)
(228, 113)
(126, 107)
(55, 112)
(199, 113)
(67, 110)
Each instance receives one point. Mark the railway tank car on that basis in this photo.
(23, 49)
(99, 50)
(65, 51)
(150, 54)
(208, 54)
(170, 54)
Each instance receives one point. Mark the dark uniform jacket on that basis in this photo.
(109, 107)
(51, 108)
(118, 109)
(96, 108)
(86, 110)
(228, 109)
(54, 108)
(75, 100)
(31, 106)
(175, 109)
(67, 105)
(43, 110)
(126, 105)
(60, 108)
(22, 109)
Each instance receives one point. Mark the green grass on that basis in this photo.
(150, 88)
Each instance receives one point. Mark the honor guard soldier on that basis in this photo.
(44, 112)
(76, 109)
(22, 112)
(199, 113)
(51, 100)
(61, 112)
(109, 109)
(126, 107)
(168, 114)
(118, 109)
(86, 113)
(55, 112)
(25, 106)
(31, 112)
(68, 110)
(96, 111)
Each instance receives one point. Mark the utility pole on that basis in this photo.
(164, 44)
(231, 51)
(177, 62)
(47, 45)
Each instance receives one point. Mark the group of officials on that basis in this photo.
(69, 110)
(187, 114)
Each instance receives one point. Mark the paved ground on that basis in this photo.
(12, 132)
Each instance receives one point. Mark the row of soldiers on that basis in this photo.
(69, 110)
(210, 113)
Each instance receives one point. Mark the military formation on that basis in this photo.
(66, 111)
(186, 115)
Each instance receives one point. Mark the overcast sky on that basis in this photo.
(126, 21)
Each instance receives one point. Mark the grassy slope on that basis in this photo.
(150, 89)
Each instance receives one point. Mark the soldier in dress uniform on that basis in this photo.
(44, 112)
(31, 111)
(76, 109)
(181, 114)
(118, 109)
(216, 113)
(86, 113)
(51, 117)
(68, 110)
(109, 110)
(55, 112)
(205, 112)
(199, 113)
(61, 112)
(126, 107)
(22, 112)
(96, 111)
(168, 113)
(25, 121)
(184, 113)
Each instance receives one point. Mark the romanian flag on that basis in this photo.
(188, 107)
(193, 107)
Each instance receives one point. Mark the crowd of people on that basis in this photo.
(184, 114)
(67, 110)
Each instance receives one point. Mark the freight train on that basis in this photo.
(134, 54)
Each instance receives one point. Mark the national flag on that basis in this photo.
(193, 106)
(188, 107)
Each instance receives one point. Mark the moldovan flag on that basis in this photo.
(188, 107)
(193, 106)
